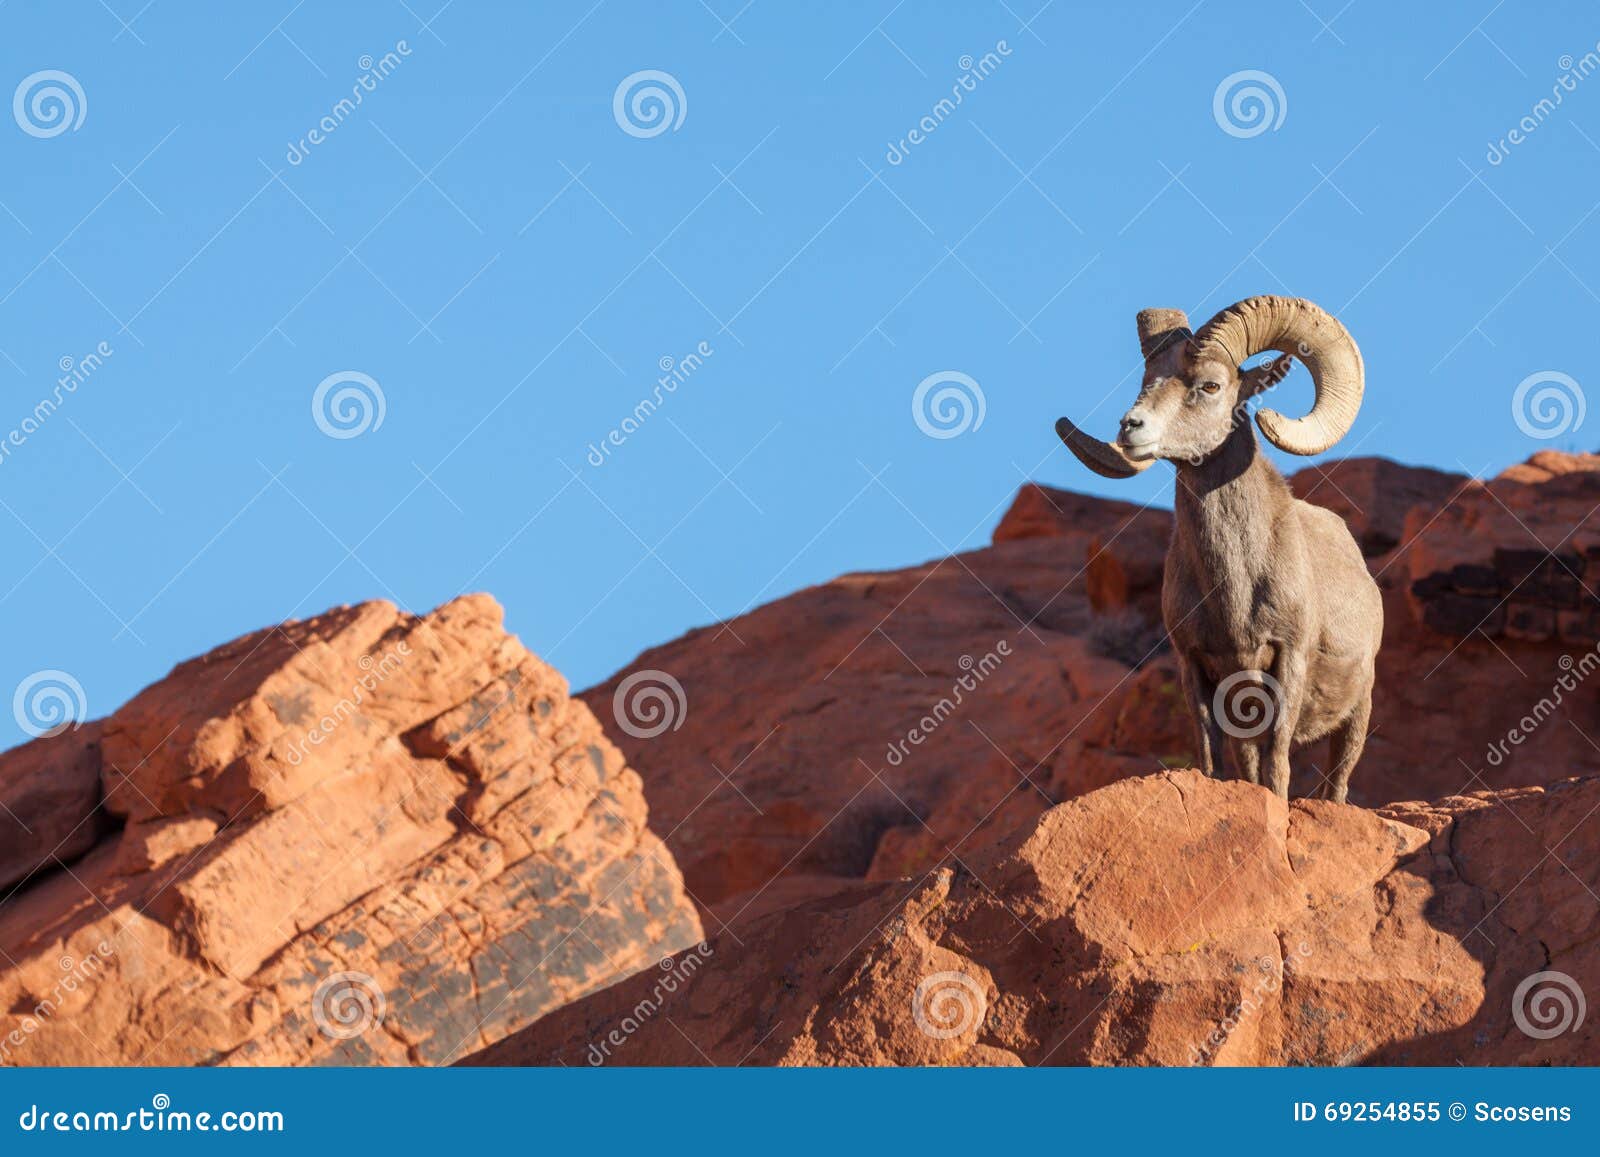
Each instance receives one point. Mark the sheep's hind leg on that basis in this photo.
(1346, 745)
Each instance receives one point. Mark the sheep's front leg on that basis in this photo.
(1290, 673)
(1246, 708)
(1247, 758)
(1197, 693)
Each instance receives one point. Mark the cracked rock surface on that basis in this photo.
(1167, 919)
(364, 813)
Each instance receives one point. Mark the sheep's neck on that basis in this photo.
(1228, 508)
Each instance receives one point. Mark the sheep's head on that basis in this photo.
(1194, 390)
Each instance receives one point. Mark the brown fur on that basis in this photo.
(1259, 581)
(1274, 617)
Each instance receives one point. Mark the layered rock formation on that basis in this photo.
(1515, 558)
(1169, 919)
(364, 838)
(927, 816)
(855, 730)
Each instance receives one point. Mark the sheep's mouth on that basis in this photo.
(1138, 451)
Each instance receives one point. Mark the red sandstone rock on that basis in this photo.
(1516, 557)
(1548, 464)
(1165, 920)
(865, 727)
(804, 701)
(363, 813)
(49, 799)
(1374, 496)
(460, 840)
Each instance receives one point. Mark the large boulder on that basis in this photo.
(368, 837)
(1169, 919)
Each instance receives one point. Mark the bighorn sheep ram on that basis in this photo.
(1274, 618)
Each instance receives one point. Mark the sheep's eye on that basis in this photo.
(1209, 388)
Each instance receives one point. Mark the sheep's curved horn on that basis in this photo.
(1104, 458)
(1162, 335)
(1293, 325)
(1161, 332)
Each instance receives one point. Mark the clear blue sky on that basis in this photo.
(483, 240)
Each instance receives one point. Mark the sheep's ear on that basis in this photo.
(1260, 379)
